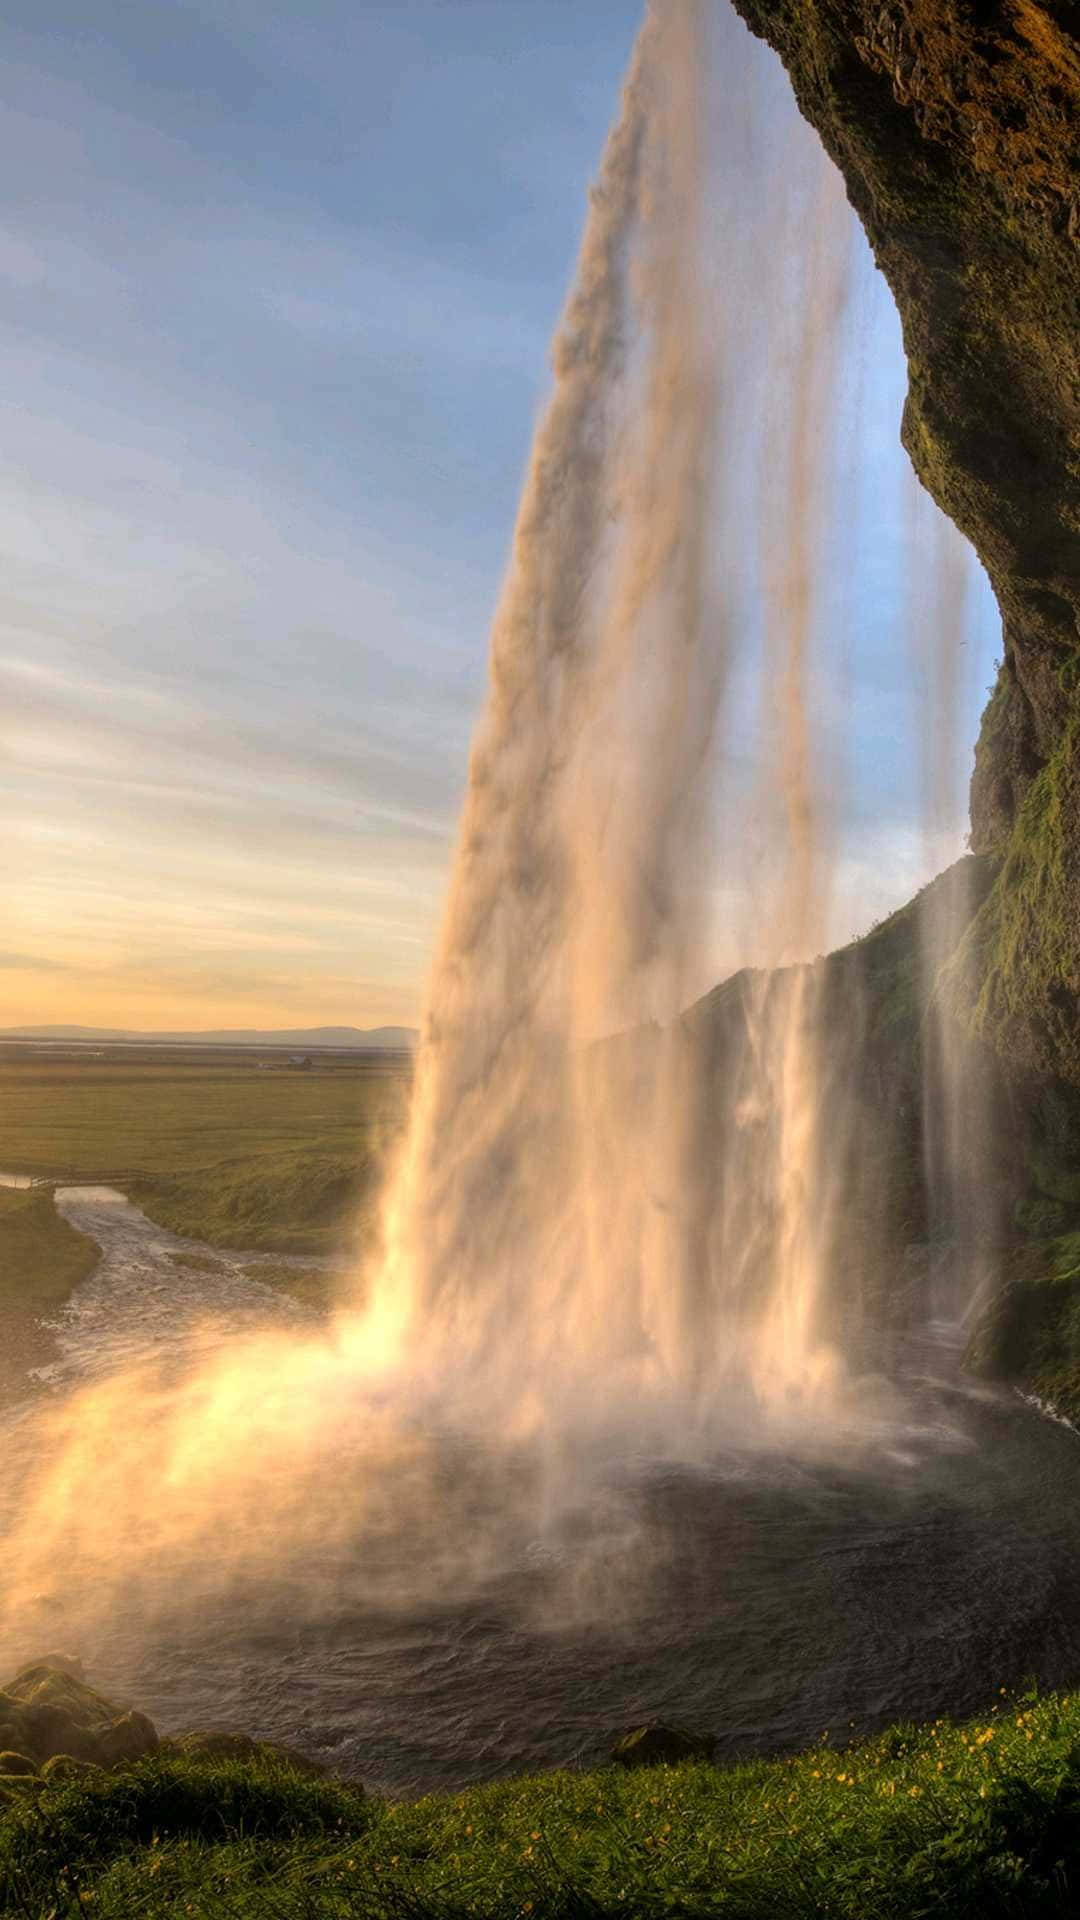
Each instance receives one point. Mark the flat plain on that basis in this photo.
(269, 1157)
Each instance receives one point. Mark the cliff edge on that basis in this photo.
(956, 124)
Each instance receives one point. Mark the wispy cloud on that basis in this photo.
(275, 288)
(30, 963)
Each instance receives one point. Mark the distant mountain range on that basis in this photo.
(360, 1037)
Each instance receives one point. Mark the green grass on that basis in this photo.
(277, 1202)
(980, 1820)
(274, 1161)
(41, 1260)
(1026, 941)
(41, 1257)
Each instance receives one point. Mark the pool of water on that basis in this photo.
(911, 1567)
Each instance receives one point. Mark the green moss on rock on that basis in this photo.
(662, 1745)
(47, 1710)
(1024, 946)
(1029, 1335)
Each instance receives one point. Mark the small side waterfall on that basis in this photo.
(963, 1192)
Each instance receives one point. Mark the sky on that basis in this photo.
(276, 287)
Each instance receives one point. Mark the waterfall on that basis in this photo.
(548, 1231)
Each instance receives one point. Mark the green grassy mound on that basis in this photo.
(979, 1820)
(42, 1260)
(41, 1257)
(292, 1204)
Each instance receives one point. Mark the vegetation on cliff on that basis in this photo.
(1030, 1331)
(1026, 941)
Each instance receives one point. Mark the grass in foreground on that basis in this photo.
(978, 1820)
(274, 1161)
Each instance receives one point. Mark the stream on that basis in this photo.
(152, 1289)
(764, 1596)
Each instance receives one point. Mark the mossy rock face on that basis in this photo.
(48, 1710)
(1040, 1217)
(1029, 1333)
(1024, 947)
(955, 127)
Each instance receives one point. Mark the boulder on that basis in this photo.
(661, 1745)
(131, 1737)
(47, 1710)
(63, 1662)
(212, 1745)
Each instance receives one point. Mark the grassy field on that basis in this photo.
(267, 1159)
(982, 1820)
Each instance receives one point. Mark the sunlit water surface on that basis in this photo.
(767, 1596)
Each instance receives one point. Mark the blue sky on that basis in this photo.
(276, 287)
